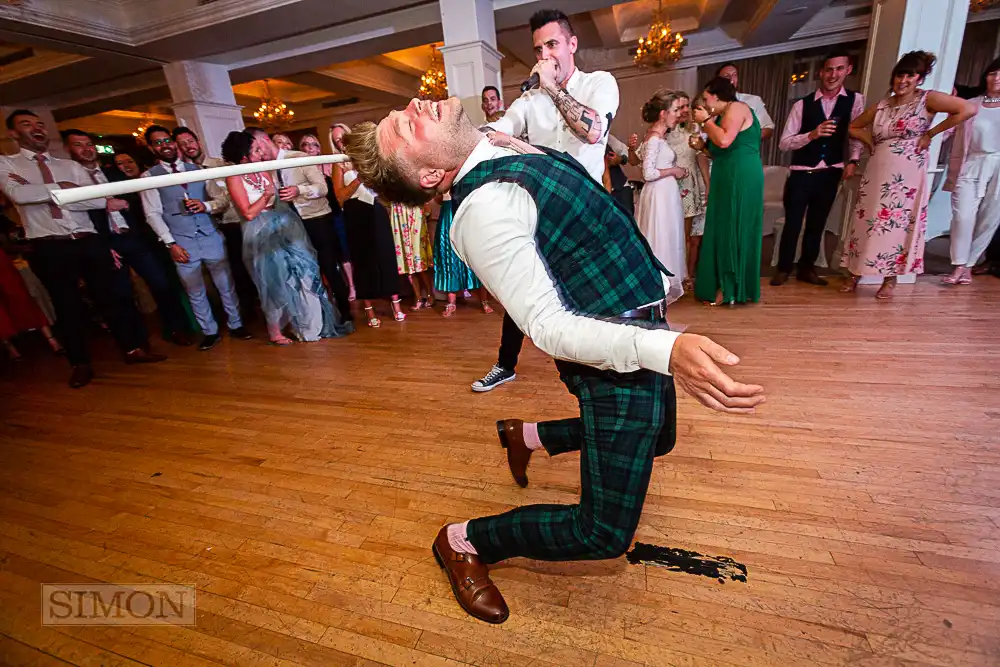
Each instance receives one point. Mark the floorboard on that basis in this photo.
(298, 489)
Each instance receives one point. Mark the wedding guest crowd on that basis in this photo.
(306, 242)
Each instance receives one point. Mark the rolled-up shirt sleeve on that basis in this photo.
(153, 206)
(493, 233)
(513, 121)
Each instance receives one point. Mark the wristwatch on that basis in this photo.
(855, 162)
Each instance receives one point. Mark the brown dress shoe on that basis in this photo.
(182, 339)
(81, 376)
(141, 356)
(511, 434)
(810, 276)
(780, 278)
(470, 582)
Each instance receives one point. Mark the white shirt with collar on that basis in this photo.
(153, 205)
(97, 175)
(535, 113)
(494, 233)
(757, 104)
(32, 200)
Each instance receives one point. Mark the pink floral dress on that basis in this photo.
(890, 220)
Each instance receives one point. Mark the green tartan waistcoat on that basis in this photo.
(599, 261)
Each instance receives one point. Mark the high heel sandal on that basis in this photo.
(373, 321)
(885, 291)
(397, 311)
(421, 303)
(487, 308)
(449, 310)
(283, 341)
(851, 285)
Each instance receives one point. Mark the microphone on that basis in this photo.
(531, 82)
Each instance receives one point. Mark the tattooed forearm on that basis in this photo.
(584, 122)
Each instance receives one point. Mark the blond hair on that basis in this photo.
(661, 100)
(384, 174)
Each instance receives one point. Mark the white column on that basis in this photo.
(204, 101)
(899, 26)
(471, 59)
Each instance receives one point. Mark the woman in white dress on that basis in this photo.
(660, 213)
(974, 181)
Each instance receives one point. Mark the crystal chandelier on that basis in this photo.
(434, 83)
(661, 46)
(272, 111)
(140, 132)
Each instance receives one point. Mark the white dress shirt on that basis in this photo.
(792, 137)
(494, 233)
(759, 109)
(534, 112)
(32, 200)
(153, 205)
(117, 219)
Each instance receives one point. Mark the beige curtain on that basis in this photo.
(978, 50)
(768, 77)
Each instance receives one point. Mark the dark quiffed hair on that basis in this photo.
(992, 67)
(18, 112)
(178, 131)
(723, 66)
(838, 53)
(73, 132)
(493, 88)
(543, 17)
(236, 146)
(721, 88)
(155, 128)
(920, 63)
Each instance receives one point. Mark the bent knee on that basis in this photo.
(605, 544)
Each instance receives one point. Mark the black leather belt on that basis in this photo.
(64, 237)
(655, 312)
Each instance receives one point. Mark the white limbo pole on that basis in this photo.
(103, 190)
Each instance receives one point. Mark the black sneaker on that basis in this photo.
(208, 342)
(240, 333)
(497, 376)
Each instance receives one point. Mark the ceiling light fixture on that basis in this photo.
(434, 83)
(661, 45)
(273, 112)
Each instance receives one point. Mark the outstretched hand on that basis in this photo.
(694, 364)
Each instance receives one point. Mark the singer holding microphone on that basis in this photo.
(560, 108)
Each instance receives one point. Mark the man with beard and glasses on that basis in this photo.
(226, 218)
(570, 111)
(571, 268)
(121, 228)
(183, 212)
(67, 248)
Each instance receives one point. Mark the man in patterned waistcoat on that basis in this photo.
(573, 271)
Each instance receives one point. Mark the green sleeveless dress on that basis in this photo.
(734, 223)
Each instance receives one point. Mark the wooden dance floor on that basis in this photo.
(299, 490)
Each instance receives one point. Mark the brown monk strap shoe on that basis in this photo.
(470, 582)
(511, 434)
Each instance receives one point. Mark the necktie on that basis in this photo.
(173, 166)
(47, 178)
(111, 216)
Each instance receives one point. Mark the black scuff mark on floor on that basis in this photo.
(690, 562)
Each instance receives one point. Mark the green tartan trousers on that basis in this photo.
(626, 419)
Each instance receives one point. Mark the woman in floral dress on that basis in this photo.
(890, 220)
(414, 251)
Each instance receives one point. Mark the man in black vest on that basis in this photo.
(816, 133)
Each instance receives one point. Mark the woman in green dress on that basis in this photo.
(729, 262)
